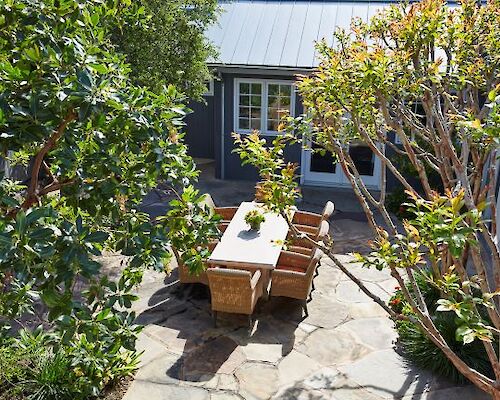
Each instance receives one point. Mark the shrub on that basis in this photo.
(419, 349)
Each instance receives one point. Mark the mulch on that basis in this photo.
(118, 390)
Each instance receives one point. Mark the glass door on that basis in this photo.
(321, 170)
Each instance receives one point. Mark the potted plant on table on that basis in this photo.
(254, 218)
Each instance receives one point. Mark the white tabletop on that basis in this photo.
(239, 246)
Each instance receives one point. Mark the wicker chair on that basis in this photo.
(308, 222)
(187, 277)
(234, 291)
(302, 246)
(293, 276)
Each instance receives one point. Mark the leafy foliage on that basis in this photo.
(170, 47)
(423, 352)
(94, 145)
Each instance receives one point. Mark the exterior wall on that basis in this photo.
(231, 167)
(201, 127)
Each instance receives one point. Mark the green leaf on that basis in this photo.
(97, 237)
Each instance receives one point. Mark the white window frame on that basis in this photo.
(210, 88)
(263, 117)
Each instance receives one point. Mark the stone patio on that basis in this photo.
(344, 349)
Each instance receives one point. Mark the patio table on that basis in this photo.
(241, 247)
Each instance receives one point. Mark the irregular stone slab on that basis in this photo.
(366, 310)
(367, 274)
(170, 339)
(335, 386)
(221, 355)
(163, 370)
(325, 378)
(349, 292)
(152, 349)
(262, 352)
(160, 312)
(299, 392)
(386, 374)
(325, 312)
(257, 381)
(228, 382)
(332, 347)
(270, 331)
(140, 390)
(295, 367)
(328, 276)
(377, 333)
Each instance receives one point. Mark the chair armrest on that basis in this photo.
(287, 273)
(255, 279)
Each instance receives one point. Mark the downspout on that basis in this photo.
(222, 155)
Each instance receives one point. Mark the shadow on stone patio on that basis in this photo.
(204, 350)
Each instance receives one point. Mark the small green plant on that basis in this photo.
(254, 218)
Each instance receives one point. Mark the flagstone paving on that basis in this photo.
(344, 350)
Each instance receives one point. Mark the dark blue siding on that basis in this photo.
(200, 129)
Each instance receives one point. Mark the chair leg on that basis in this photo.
(214, 317)
(250, 324)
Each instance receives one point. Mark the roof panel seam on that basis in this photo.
(302, 34)
(241, 29)
(286, 33)
(272, 30)
(256, 33)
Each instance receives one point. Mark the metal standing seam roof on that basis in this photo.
(273, 33)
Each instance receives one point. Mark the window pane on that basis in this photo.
(244, 100)
(255, 101)
(285, 90)
(272, 125)
(244, 123)
(322, 162)
(272, 113)
(273, 101)
(255, 113)
(363, 159)
(244, 112)
(256, 88)
(273, 90)
(255, 123)
(244, 88)
(285, 102)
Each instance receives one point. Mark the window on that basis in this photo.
(210, 87)
(260, 105)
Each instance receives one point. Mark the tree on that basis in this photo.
(171, 47)
(97, 144)
(365, 89)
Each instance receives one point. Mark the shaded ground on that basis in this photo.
(343, 351)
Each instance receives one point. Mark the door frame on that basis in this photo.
(322, 178)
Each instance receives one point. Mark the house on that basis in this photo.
(263, 45)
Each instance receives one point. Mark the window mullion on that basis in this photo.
(263, 117)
